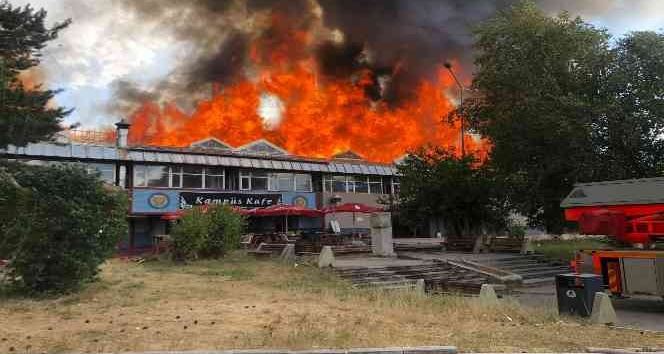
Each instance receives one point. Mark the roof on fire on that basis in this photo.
(196, 156)
(621, 192)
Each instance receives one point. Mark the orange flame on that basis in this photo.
(321, 116)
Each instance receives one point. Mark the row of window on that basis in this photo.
(353, 184)
(278, 182)
(179, 177)
(106, 171)
(192, 177)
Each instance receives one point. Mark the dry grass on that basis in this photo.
(241, 303)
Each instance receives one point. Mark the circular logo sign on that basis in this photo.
(158, 200)
(570, 293)
(300, 201)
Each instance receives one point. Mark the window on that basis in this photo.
(277, 182)
(151, 176)
(396, 186)
(339, 184)
(302, 183)
(176, 177)
(215, 178)
(353, 184)
(192, 177)
(255, 181)
(157, 176)
(375, 185)
(282, 182)
(106, 171)
(139, 176)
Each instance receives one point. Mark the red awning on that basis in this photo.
(351, 208)
(285, 210)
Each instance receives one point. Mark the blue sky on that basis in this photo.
(106, 43)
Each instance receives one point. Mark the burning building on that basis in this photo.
(291, 102)
(162, 181)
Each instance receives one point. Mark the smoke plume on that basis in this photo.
(401, 42)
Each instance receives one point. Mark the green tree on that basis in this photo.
(434, 183)
(226, 227)
(189, 234)
(628, 131)
(538, 81)
(57, 226)
(25, 113)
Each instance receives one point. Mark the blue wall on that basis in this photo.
(160, 201)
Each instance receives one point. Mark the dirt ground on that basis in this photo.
(242, 303)
(639, 313)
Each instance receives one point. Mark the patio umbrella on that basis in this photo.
(286, 211)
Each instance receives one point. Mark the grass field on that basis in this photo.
(242, 303)
(566, 249)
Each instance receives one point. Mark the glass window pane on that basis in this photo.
(281, 182)
(244, 183)
(194, 170)
(361, 186)
(258, 183)
(176, 180)
(339, 184)
(303, 183)
(376, 188)
(106, 171)
(214, 182)
(192, 181)
(157, 176)
(218, 171)
(139, 176)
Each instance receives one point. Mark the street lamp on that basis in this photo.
(448, 66)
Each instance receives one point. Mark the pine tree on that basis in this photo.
(25, 113)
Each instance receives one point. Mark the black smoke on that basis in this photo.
(403, 40)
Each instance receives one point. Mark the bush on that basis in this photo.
(58, 225)
(226, 227)
(189, 234)
(206, 233)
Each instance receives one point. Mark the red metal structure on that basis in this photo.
(632, 212)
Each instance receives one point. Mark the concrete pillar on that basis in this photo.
(381, 235)
(420, 286)
(488, 295)
(603, 312)
(288, 254)
(326, 257)
(527, 246)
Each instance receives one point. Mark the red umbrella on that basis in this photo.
(285, 211)
(351, 208)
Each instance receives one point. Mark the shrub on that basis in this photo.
(207, 233)
(189, 234)
(58, 225)
(226, 227)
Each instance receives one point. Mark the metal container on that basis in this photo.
(576, 293)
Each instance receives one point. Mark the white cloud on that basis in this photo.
(105, 42)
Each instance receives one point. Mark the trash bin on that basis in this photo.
(576, 293)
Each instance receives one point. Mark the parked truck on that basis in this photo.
(631, 212)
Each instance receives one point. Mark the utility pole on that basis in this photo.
(448, 66)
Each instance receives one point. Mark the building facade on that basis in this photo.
(161, 181)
